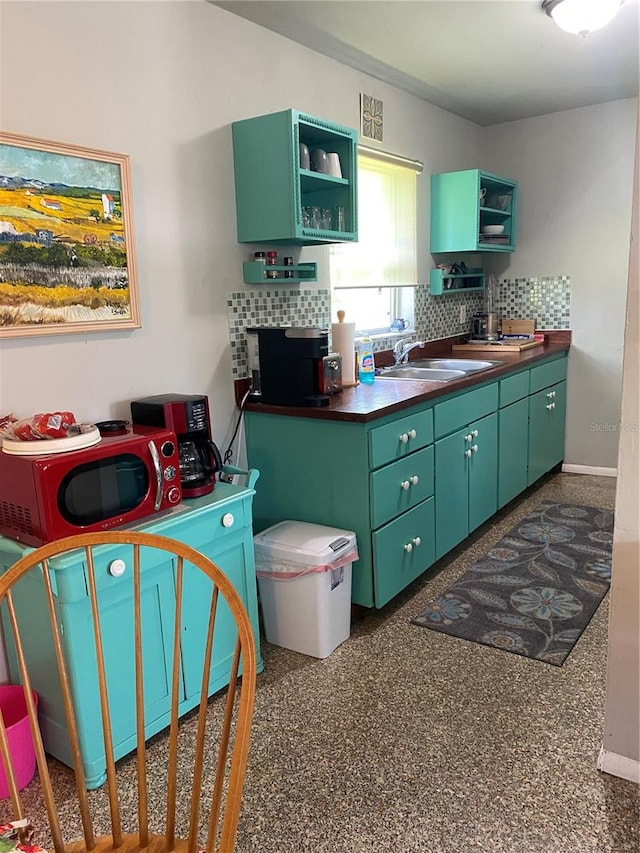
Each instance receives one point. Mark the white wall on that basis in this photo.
(163, 82)
(575, 179)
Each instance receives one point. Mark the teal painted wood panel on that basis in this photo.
(513, 450)
(396, 565)
(455, 215)
(546, 430)
(453, 413)
(401, 485)
(514, 388)
(451, 490)
(547, 374)
(483, 471)
(400, 438)
(314, 471)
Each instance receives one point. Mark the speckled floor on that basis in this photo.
(407, 739)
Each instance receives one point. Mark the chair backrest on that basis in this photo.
(34, 590)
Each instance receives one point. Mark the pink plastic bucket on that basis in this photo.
(14, 713)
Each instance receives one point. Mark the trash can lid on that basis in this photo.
(303, 542)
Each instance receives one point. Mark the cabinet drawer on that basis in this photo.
(400, 438)
(401, 485)
(453, 414)
(547, 374)
(514, 388)
(402, 550)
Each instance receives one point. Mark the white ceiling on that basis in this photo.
(489, 61)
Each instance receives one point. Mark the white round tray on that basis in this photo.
(44, 447)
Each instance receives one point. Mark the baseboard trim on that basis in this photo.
(618, 765)
(589, 469)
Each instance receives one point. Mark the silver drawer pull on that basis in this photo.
(412, 433)
(549, 406)
(417, 541)
(408, 547)
(474, 433)
(468, 438)
(550, 394)
(467, 453)
(414, 480)
(475, 448)
(405, 485)
(404, 438)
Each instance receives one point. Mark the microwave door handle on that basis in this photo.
(157, 467)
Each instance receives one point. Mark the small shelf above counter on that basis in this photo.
(441, 282)
(255, 272)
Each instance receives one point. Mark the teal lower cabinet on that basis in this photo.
(220, 526)
(373, 478)
(547, 412)
(466, 464)
(513, 437)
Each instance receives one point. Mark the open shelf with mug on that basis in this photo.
(286, 164)
(443, 281)
(254, 272)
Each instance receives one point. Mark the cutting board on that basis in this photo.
(496, 346)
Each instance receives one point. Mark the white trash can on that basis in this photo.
(304, 580)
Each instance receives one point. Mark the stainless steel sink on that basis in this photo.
(411, 371)
(466, 365)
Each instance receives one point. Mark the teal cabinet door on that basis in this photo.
(513, 450)
(403, 550)
(451, 491)
(547, 410)
(483, 470)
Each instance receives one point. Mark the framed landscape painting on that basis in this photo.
(67, 259)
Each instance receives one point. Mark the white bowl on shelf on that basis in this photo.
(492, 229)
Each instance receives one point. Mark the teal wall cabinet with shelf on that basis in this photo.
(218, 525)
(463, 203)
(272, 189)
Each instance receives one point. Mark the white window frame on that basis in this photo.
(379, 266)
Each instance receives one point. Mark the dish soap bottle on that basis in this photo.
(366, 365)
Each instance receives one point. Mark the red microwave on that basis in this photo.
(122, 478)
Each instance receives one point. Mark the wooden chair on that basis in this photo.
(219, 792)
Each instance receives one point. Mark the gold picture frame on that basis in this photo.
(67, 254)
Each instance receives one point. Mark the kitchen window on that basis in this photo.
(373, 280)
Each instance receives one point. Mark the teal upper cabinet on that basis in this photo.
(464, 205)
(279, 201)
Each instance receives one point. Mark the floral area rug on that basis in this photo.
(536, 590)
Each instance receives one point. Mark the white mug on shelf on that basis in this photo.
(335, 168)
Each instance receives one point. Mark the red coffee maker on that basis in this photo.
(188, 416)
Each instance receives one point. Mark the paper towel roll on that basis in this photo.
(343, 340)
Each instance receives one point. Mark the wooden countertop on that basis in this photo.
(385, 396)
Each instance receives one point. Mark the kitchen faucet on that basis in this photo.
(402, 349)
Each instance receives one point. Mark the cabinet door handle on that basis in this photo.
(414, 480)
(553, 394)
(549, 406)
(474, 433)
(417, 541)
(475, 448)
(412, 433)
(550, 394)
(117, 568)
(404, 438)
(405, 485)
(408, 547)
(468, 438)
(467, 453)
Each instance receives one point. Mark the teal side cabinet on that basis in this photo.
(466, 464)
(464, 204)
(513, 437)
(373, 478)
(273, 191)
(199, 524)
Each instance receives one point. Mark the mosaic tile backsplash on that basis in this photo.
(546, 300)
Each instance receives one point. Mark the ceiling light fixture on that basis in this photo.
(581, 17)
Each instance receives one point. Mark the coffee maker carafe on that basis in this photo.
(188, 416)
